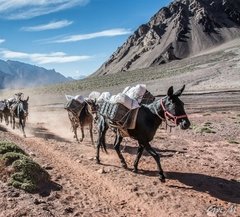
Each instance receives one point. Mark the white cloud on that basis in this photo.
(2, 40)
(25, 9)
(105, 33)
(42, 58)
(52, 25)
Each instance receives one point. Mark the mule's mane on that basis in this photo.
(155, 106)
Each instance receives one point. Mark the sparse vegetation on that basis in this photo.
(132, 77)
(208, 124)
(24, 172)
(6, 147)
(206, 130)
(231, 141)
(206, 114)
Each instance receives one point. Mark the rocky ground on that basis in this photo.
(202, 164)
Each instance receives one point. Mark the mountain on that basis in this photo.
(18, 74)
(182, 29)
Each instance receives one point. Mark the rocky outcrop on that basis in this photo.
(180, 30)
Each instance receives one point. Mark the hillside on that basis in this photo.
(202, 180)
(18, 74)
(181, 30)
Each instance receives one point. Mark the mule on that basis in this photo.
(19, 110)
(4, 112)
(149, 118)
(84, 118)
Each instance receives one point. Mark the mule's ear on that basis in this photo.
(170, 91)
(27, 99)
(179, 92)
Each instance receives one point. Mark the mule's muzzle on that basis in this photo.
(184, 124)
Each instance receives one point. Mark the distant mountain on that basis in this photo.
(180, 30)
(18, 74)
(80, 77)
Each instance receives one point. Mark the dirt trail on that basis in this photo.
(203, 169)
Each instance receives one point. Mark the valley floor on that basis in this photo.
(203, 169)
(202, 164)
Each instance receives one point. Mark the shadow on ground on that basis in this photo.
(47, 188)
(223, 189)
(133, 151)
(42, 132)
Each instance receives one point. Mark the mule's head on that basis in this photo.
(93, 105)
(24, 106)
(174, 108)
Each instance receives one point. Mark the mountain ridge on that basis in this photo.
(180, 30)
(19, 74)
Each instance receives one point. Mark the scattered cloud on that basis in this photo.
(2, 40)
(52, 25)
(80, 37)
(42, 58)
(26, 9)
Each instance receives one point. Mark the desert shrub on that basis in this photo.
(6, 146)
(231, 141)
(25, 173)
(207, 114)
(207, 124)
(29, 175)
(10, 157)
(206, 130)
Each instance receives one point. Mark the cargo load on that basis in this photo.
(94, 95)
(116, 113)
(119, 110)
(140, 93)
(74, 106)
(2, 105)
(125, 100)
(105, 96)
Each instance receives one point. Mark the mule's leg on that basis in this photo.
(139, 154)
(156, 157)
(73, 124)
(10, 117)
(102, 129)
(74, 127)
(82, 131)
(117, 143)
(13, 122)
(21, 123)
(91, 132)
(6, 119)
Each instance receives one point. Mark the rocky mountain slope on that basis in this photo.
(182, 29)
(18, 74)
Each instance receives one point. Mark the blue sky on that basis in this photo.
(72, 36)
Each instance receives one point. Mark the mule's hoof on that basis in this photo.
(135, 170)
(124, 165)
(162, 178)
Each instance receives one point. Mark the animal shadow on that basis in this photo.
(3, 129)
(44, 133)
(133, 150)
(223, 189)
(48, 187)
